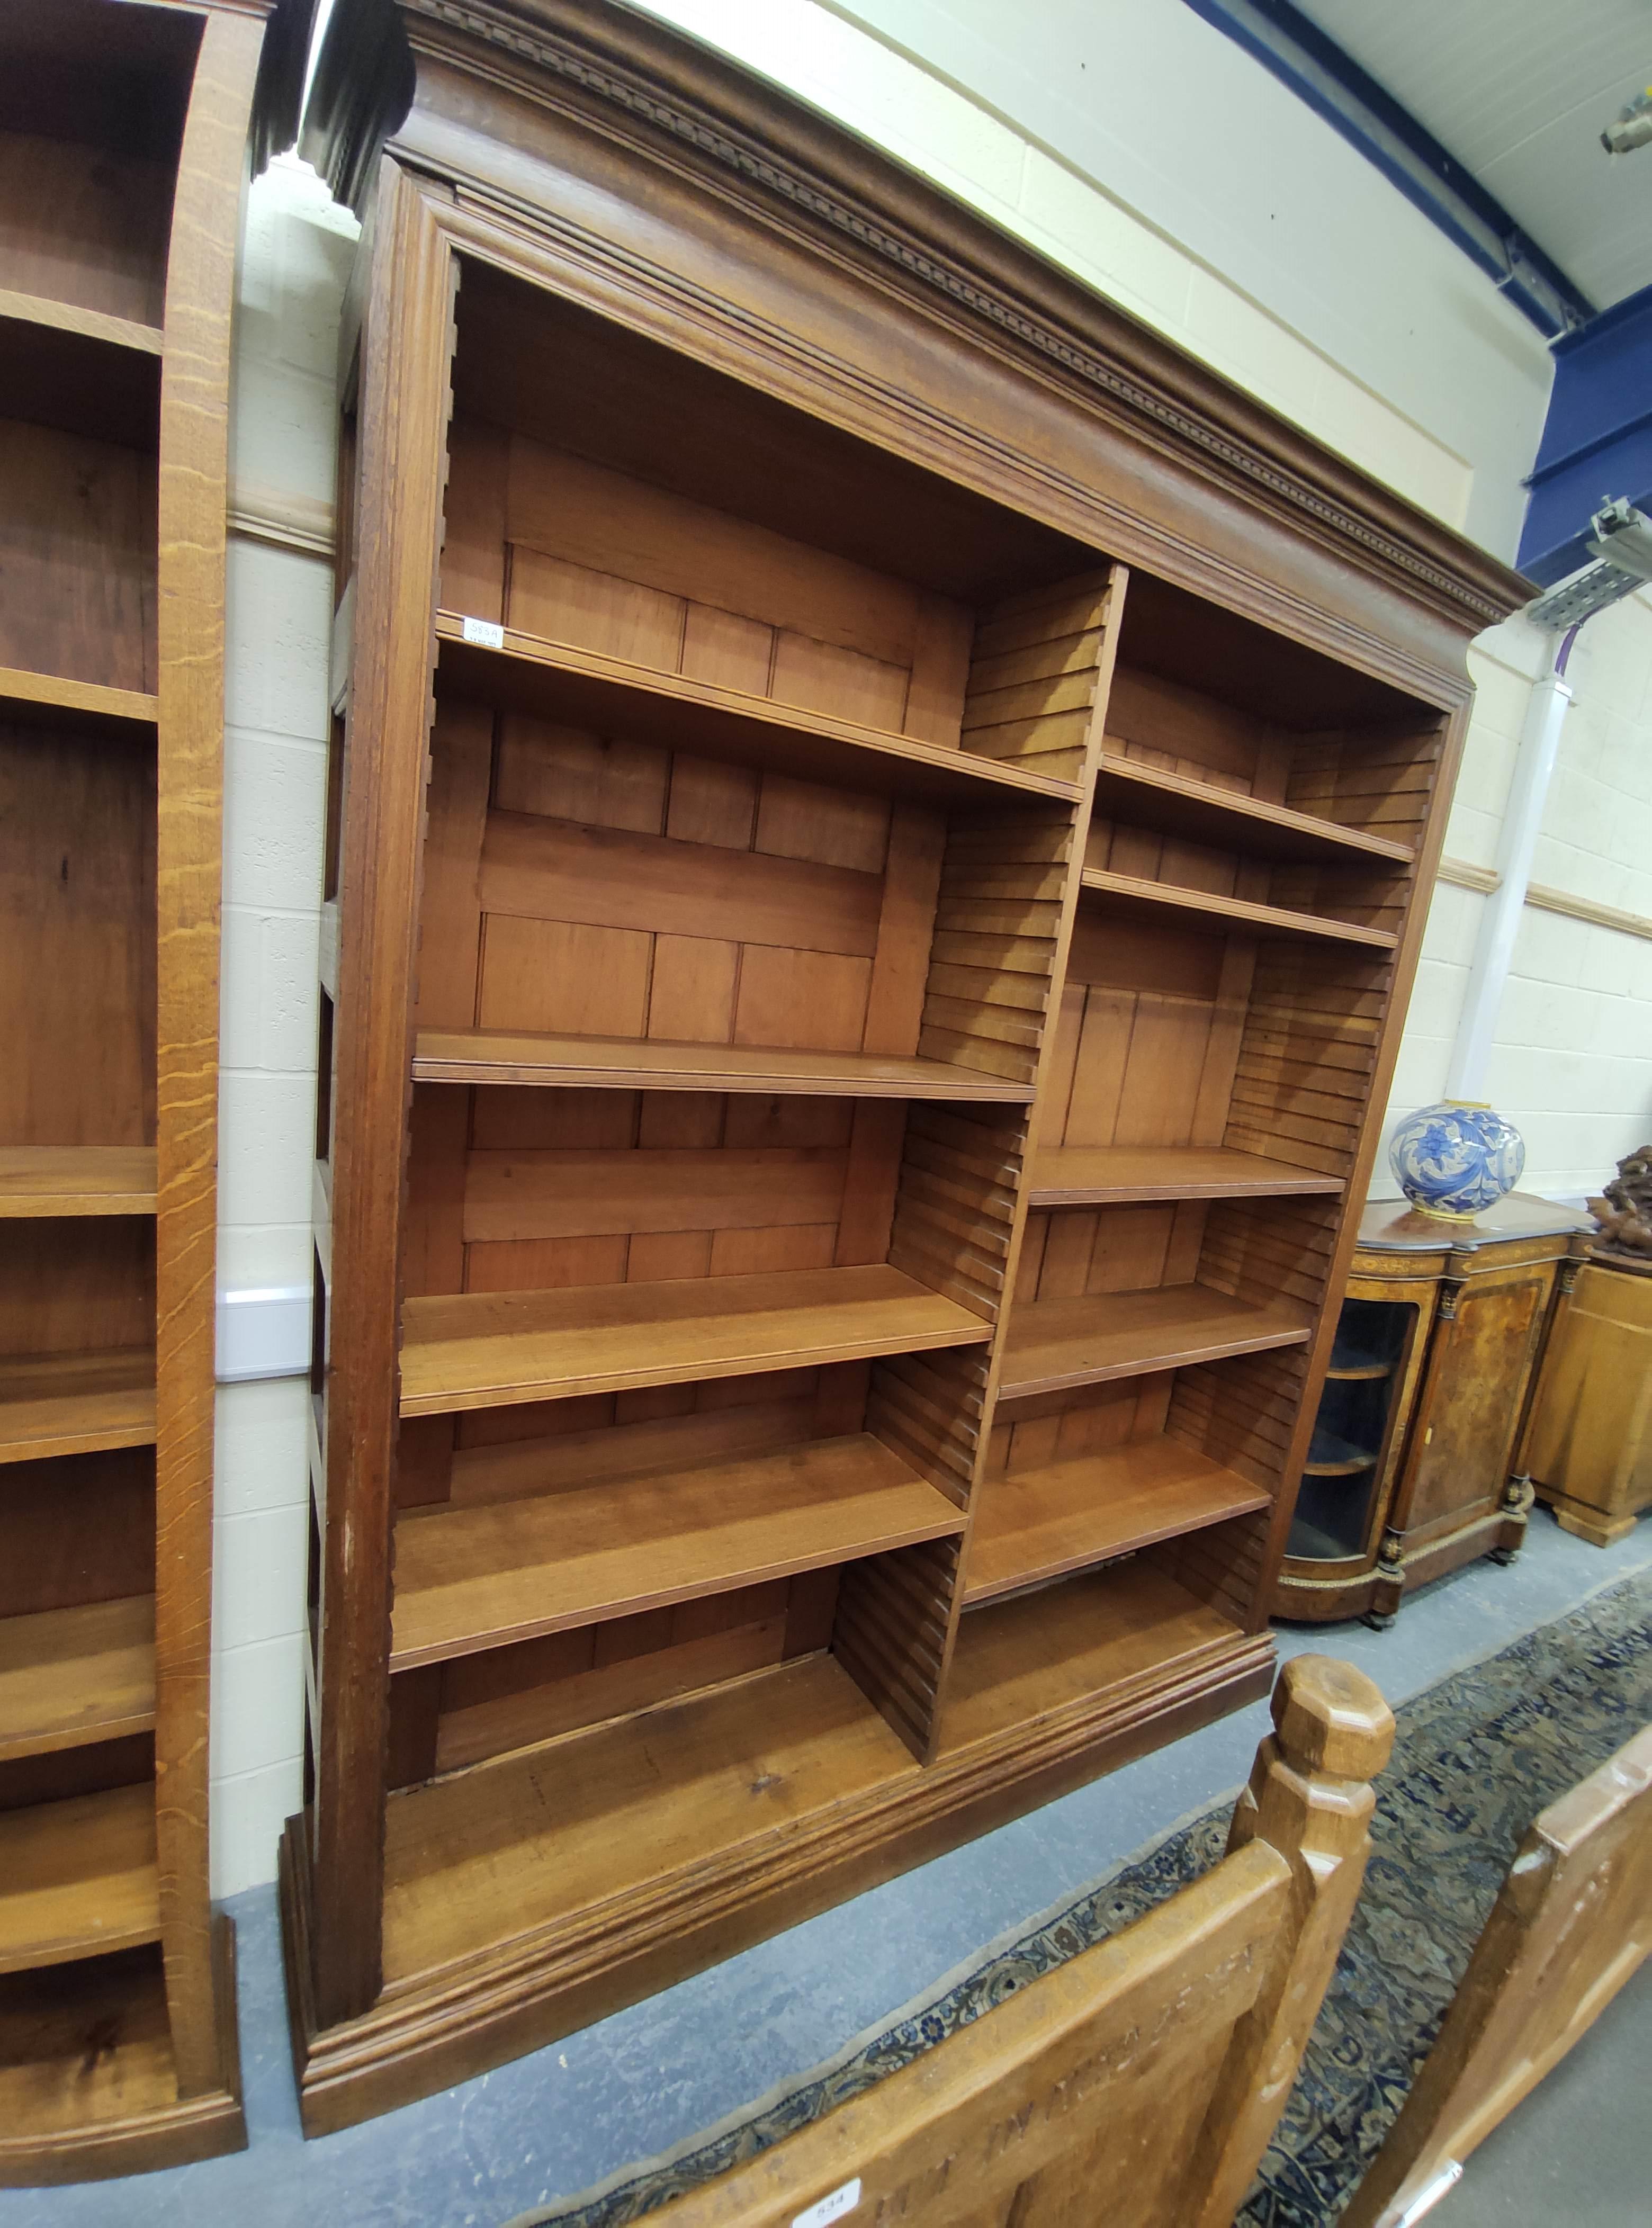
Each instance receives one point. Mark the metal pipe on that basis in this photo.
(1493, 951)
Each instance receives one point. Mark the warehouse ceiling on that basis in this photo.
(1520, 91)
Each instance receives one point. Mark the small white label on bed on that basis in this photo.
(831, 2208)
(488, 632)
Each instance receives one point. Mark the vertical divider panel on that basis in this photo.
(1315, 1065)
(407, 345)
(1008, 891)
(193, 474)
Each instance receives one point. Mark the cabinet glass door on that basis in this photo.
(1336, 1496)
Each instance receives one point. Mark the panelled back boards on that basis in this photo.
(124, 136)
(850, 1026)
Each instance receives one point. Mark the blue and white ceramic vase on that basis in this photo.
(1456, 1159)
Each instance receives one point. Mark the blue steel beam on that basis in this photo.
(1301, 55)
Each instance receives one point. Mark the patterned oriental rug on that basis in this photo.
(1476, 1759)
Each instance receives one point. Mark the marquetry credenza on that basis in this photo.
(881, 823)
(1419, 1460)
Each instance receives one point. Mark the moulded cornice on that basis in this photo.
(647, 82)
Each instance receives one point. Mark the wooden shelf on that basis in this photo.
(1065, 1515)
(1352, 1363)
(1129, 893)
(78, 1878)
(88, 324)
(90, 376)
(632, 1064)
(55, 694)
(582, 688)
(1100, 1175)
(490, 1350)
(1057, 1343)
(52, 1180)
(468, 1578)
(1017, 1661)
(543, 1834)
(1148, 796)
(1329, 1455)
(71, 1675)
(76, 1404)
(84, 2049)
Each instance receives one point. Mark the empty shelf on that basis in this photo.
(89, 325)
(1017, 1660)
(85, 2048)
(76, 1404)
(1132, 895)
(1151, 796)
(1066, 1514)
(632, 1064)
(78, 1878)
(488, 1349)
(1057, 1343)
(73, 1675)
(470, 1578)
(1084, 1175)
(583, 688)
(1351, 1361)
(1331, 1455)
(56, 696)
(545, 1835)
(52, 1180)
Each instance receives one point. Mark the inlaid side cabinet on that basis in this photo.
(880, 824)
(123, 147)
(1420, 1457)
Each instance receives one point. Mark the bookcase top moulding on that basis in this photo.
(1185, 474)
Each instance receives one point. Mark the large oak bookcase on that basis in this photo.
(881, 821)
(124, 136)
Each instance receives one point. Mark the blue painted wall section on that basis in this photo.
(1320, 72)
(1597, 440)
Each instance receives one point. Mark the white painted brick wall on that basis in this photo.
(1139, 195)
(295, 260)
(1572, 1064)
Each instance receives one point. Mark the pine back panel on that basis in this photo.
(77, 924)
(1150, 1033)
(579, 884)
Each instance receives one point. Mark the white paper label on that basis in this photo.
(486, 632)
(831, 2208)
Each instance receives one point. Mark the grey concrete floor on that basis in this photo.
(1578, 2151)
(632, 2085)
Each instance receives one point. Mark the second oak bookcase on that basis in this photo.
(851, 1023)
